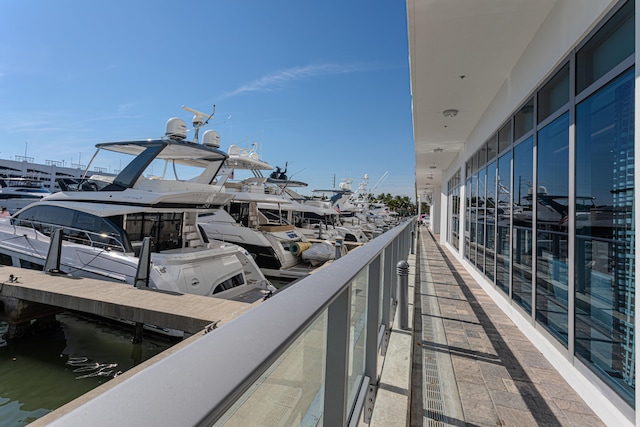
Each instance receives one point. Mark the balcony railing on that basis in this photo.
(307, 356)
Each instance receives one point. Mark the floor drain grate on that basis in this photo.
(433, 396)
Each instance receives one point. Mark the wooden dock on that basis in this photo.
(189, 313)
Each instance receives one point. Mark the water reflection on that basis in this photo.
(40, 373)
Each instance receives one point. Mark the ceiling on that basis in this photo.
(461, 52)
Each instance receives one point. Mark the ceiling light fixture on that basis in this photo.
(450, 113)
(433, 167)
(438, 150)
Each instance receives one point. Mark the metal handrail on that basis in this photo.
(116, 245)
(198, 383)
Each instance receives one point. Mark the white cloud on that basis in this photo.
(278, 80)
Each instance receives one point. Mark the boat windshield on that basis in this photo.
(163, 159)
(77, 226)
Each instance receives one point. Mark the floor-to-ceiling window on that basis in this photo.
(490, 215)
(503, 239)
(480, 215)
(522, 223)
(523, 209)
(552, 290)
(453, 194)
(605, 234)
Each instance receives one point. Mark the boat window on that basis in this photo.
(79, 227)
(163, 228)
(6, 260)
(230, 283)
(239, 212)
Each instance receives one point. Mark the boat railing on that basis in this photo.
(81, 184)
(106, 241)
(312, 354)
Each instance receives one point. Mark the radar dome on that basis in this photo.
(211, 138)
(176, 128)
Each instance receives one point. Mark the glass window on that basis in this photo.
(455, 217)
(505, 138)
(552, 284)
(357, 334)
(605, 234)
(523, 120)
(554, 94)
(481, 156)
(492, 147)
(480, 214)
(612, 44)
(474, 217)
(467, 222)
(503, 217)
(522, 223)
(490, 215)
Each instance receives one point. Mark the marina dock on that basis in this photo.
(189, 313)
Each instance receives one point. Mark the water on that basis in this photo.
(40, 373)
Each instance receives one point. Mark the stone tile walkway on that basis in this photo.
(472, 366)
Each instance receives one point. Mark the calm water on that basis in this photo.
(41, 373)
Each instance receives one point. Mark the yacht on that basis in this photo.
(16, 193)
(105, 221)
(272, 241)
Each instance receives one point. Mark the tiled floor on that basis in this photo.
(473, 367)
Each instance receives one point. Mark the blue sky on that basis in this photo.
(323, 85)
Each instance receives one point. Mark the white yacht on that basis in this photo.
(16, 193)
(271, 241)
(105, 221)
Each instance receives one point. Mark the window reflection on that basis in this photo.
(522, 222)
(503, 216)
(605, 282)
(552, 290)
(474, 218)
(480, 214)
(467, 222)
(490, 215)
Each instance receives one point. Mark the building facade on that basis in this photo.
(539, 203)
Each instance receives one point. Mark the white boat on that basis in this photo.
(105, 222)
(266, 237)
(16, 193)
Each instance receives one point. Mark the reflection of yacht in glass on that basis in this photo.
(553, 211)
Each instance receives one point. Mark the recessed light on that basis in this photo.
(450, 113)
(438, 150)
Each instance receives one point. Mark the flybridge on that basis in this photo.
(177, 158)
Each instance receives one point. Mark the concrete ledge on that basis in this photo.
(393, 399)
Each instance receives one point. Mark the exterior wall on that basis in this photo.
(47, 174)
(566, 25)
(436, 206)
(564, 30)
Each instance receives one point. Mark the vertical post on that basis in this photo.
(338, 248)
(335, 381)
(144, 265)
(373, 337)
(413, 238)
(373, 321)
(52, 263)
(403, 295)
(137, 333)
(142, 281)
(387, 284)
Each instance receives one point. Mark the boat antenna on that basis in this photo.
(199, 119)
